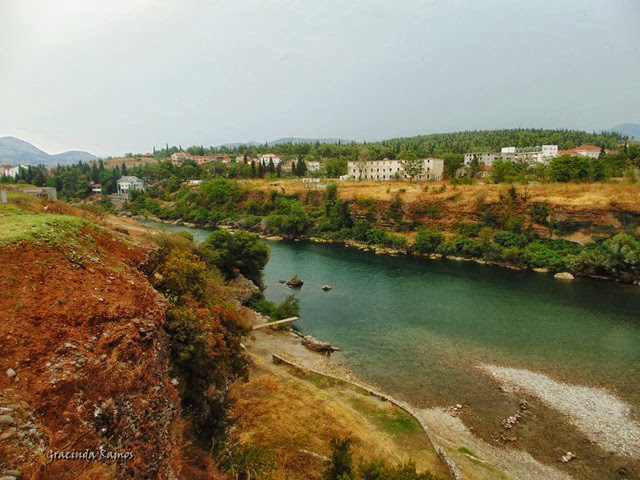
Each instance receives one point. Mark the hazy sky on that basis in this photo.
(125, 75)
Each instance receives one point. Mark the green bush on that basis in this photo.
(427, 242)
(241, 251)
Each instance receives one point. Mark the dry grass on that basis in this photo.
(286, 411)
(596, 196)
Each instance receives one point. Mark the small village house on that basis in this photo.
(129, 183)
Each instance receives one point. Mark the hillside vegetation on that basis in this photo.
(589, 230)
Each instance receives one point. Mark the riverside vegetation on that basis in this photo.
(512, 231)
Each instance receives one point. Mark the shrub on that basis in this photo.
(340, 465)
(539, 213)
(427, 242)
(240, 251)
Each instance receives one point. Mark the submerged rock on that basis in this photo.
(540, 270)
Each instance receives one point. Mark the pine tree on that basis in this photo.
(100, 165)
(253, 169)
(123, 169)
(95, 175)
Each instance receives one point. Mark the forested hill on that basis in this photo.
(432, 144)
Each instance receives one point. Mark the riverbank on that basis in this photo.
(455, 317)
(462, 454)
(388, 251)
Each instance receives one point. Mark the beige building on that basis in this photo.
(432, 169)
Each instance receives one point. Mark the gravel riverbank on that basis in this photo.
(601, 416)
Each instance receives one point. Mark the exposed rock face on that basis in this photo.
(564, 276)
(242, 288)
(92, 358)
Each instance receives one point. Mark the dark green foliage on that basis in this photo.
(427, 242)
(289, 219)
(551, 254)
(340, 466)
(539, 213)
(237, 252)
(618, 257)
(290, 307)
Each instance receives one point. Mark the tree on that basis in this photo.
(452, 162)
(242, 251)
(474, 167)
(340, 465)
(124, 169)
(502, 170)
(413, 167)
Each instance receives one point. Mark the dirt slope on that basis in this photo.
(81, 328)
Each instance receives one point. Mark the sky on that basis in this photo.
(122, 76)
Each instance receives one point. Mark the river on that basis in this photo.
(420, 328)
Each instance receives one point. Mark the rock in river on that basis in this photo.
(295, 282)
(564, 276)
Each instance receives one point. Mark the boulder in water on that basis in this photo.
(316, 345)
(326, 287)
(295, 282)
(564, 276)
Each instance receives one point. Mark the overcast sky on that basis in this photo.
(125, 75)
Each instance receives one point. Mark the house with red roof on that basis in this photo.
(590, 151)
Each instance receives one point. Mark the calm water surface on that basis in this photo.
(418, 328)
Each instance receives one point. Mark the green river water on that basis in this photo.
(419, 328)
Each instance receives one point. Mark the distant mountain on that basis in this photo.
(632, 130)
(14, 151)
(285, 140)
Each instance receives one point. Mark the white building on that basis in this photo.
(313, 166)
(534, 154)
(432, 169)
(9, 171)
(270, 156)
(128, 183)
